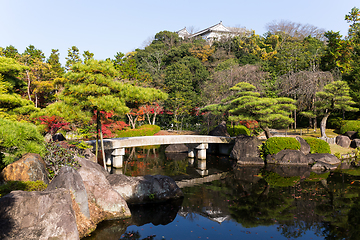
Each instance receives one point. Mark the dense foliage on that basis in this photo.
(236, 130)
(351, 125)
(144, 130)
(294, 75)
(276, 144)
(18, 138)
(317, 145)
(57, 155)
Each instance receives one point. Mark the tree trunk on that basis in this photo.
(267, 132)
(28, 82)
(97, 135)
(323, 124)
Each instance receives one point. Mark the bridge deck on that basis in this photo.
(115, 143)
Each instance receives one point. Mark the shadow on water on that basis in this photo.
(141, 214)
(290, 202)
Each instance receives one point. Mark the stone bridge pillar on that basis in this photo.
(202, 150)
(116, 158)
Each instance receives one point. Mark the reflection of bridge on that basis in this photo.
(197, 181)
(115, 147)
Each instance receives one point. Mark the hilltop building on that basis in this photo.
(212, 33)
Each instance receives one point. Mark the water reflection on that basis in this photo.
(290, 202)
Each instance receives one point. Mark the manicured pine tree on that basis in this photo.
(93, 86)
(247, 104)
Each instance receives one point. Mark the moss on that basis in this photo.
(28, 186)
(276, 144)
(317, 145)
(237, 130)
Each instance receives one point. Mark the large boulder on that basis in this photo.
(99, 189)
(38, 215)
(351, 134)
(304, 146)
(145, 189)
(220, 130)
(288, 156)
(176, 148)
(343, 141)
(355, 143)
(30, 167)
(325, 158)
(69, 178)
(246, 151)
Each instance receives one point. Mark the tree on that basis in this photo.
(335, 97)
(247, 104)
(354, 19)
(294, 30)
(73, 57)
(54, 61)
(93, 87)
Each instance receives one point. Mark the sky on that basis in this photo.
(109, 26)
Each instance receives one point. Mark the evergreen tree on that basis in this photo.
(247, 104)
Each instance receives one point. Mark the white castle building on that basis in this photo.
(212, 33)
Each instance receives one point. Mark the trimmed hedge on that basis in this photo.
(144, 130)
(351, 125)
(276, 144)
(237, 130)
(317, 145)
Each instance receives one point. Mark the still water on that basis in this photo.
(226, 202)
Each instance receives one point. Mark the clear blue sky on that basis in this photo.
(109, 26)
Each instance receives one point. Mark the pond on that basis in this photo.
(223, 202)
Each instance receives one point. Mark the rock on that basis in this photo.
(322, 166)
(220, 130)
(305, 147)
(89, 155)
(324, 157)
(288, 157)
(145, 189)
(351, 134)
(99, 189)
(176, 148)
(246, 150)
(355, 143)
(70, 179)
(38, 215)
(343, 141)
(30, 167)
(58, 137)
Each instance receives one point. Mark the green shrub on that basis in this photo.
(237, 130)
(18, 138)
(276, 144)
(351, 125)
(59, 154)
(317, 145)
(22, 185)
(144, 130)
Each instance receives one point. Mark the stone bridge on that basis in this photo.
(115, 147)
